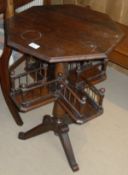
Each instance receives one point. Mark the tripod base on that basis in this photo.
(59, 128)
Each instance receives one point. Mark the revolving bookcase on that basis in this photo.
(67, 48)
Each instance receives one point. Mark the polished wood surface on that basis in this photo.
(63, 32)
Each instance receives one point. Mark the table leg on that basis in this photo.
(45, 126)
(63, 134)
(5, 84)
(62, 131)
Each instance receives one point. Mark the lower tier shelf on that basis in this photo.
(80, 104)
(86, 112)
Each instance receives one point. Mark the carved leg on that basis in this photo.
(40, 129)
(63, 134)
(5, 85)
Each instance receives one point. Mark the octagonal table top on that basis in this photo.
(63, 33)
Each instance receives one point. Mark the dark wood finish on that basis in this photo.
(70, 52)
(2, 10)
(120, 53)
(93, 35)
(29, 95)
(94, 73)
(4, 71)
(7, 8)
(60, 129)
(5, 85)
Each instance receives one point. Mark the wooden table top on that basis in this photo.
(63, 33)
